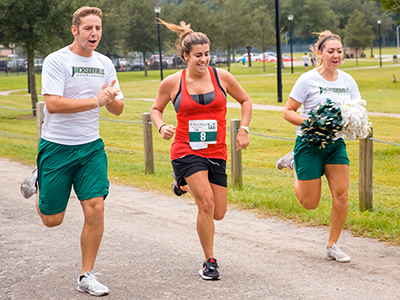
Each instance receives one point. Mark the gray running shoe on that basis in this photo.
(335, 253)
(28, 186)
(286, 161)
(89, 284)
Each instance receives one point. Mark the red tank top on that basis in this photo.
(201, 125)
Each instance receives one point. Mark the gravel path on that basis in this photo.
(150, 250)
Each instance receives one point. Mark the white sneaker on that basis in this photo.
(89, 284)
(334, 252)
(286, 161)
(28, 186)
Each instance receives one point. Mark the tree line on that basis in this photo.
(43, 26)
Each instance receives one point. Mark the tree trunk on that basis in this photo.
(176, 61)
(248, 54)
(144, 64)
(32, 79)
(229, 59)
(357, 57)
(372, 49)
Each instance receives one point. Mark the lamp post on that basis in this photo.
(379, 37)
(290, 18)
(157, 10)
(278, 50)
(398, 52)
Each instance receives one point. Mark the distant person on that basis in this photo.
(311, 162)
(76, 83)
(305, 60)
(199, 152)
(243, 60)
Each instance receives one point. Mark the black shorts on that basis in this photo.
(190, 164)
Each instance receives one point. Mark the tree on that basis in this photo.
(34, 24)
(390, 5)
(264, 36)
(111, 41)
(139, 31)
(189, 12)
(358, 33)
(232, 21)
(371, 10)
(310, 15)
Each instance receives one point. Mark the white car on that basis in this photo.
(254, 57)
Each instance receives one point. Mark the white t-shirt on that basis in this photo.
(311, 89)
(69, 75)
(305, 59)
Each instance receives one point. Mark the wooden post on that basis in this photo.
(39, 119)
(148, 144)
(365, 173)
(236, 157)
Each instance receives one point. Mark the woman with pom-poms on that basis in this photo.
(311, 161)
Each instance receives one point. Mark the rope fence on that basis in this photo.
(130, 122)
(33, 109)
(365, 152)
(380, 141)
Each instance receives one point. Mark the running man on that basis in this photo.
(76, 82)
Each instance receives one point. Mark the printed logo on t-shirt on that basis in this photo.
(88, 72)
(331, 90)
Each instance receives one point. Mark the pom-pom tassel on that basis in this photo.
(355, 122)
(324, 123)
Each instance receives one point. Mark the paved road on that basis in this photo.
(150, 250)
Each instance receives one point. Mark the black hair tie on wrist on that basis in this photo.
(159, 129)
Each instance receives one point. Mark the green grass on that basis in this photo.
(265, 189)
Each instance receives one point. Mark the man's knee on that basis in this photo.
(52, 220)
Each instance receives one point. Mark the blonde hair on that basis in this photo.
(84, 12)
(322, 38)
(187, 37)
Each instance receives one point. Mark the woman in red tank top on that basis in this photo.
(198, 153)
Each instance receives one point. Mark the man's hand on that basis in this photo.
(106, 95)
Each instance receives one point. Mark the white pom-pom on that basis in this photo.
(355, 119)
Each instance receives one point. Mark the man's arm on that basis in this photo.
(106, 96)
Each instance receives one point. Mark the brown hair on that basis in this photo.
(323, 37)
(187, 37)
(84, 12)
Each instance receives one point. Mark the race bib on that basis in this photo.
(202, 133)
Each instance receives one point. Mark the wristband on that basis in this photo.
(246, 128)
(159, 129)
(97, 101)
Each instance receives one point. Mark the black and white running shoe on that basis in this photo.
(209, 270)
(175, 188)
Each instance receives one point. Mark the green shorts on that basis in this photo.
(310, 161)
(61, 166)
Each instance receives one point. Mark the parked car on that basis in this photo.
(4, 66)
(17, 65)
(219, 59)
(170, 60)
(286, 58)
(154, 62)
(38, 62)
(136, 64)
(121, 64)
(254, 57)
(272, 57)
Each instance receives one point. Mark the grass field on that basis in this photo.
(266, 189)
